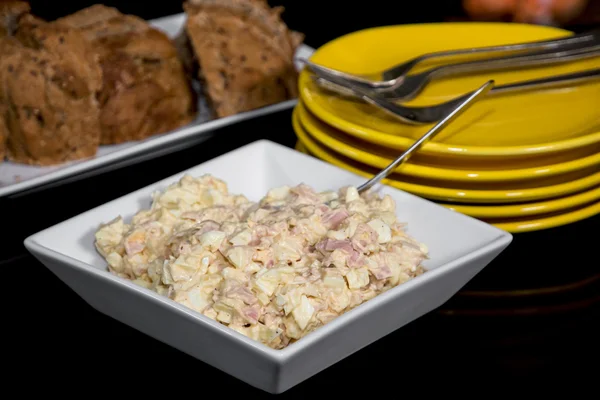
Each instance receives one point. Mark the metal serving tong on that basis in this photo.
(435, 113)
(395, 83)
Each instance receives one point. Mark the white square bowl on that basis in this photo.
(460, 247)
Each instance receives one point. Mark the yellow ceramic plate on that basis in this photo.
(523, 124)
(454, 195)
(529, 209)
(528, 224)
(546, 222)
(379, 157)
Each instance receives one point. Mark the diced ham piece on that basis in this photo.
(251, 314)
(133, 247)
(333, 219)
(323, 208)
(242, 293)
(363, 237)
(382, 273)
(345, 245)
(321, 246)
(356, 260)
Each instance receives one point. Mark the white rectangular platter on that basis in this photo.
(16, 178)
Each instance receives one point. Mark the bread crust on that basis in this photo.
(244, 52)
(145, 91)
(48, 80)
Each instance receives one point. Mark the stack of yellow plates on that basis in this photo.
(521, 161)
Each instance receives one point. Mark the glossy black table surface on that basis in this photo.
(529, 319)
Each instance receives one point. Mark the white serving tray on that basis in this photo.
(19, 177)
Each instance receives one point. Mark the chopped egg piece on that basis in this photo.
(303, 313)
(357, 278)
(384, 233)
(212, 240)
(351, 194)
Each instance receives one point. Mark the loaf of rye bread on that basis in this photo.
(244, 52)
(145, 90)
(48, 80)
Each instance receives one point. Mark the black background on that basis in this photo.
(489, 337)
(320, 20)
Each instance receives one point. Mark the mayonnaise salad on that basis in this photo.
(273, 270)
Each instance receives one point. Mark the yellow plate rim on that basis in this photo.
(308, 123)
(435, 147)
(528, 209)
(455, 195)
(534, 224)
(550, 222)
